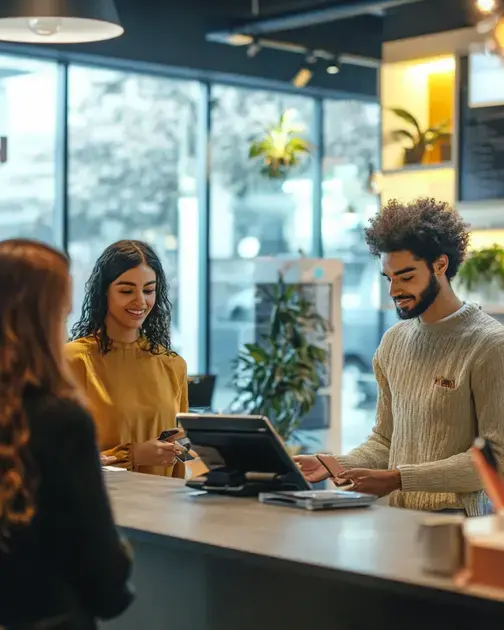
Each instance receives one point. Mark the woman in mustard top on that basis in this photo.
(121, 357)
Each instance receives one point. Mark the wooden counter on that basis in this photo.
(207, 562)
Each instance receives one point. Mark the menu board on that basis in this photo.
(481, 146)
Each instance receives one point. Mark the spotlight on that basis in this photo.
(486, 6)
(333, 68)
(304, 74)
(253, 49)
(302, 78)
(239, 40)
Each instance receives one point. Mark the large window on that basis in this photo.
(250, 215)
(28, 116)
(351, 154)
(135, 170)
(132, 174)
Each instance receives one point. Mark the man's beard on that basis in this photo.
(426, 299)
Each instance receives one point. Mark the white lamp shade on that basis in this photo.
(58, 21)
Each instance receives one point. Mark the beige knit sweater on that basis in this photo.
(439, 385)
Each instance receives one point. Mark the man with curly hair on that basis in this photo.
(440, 371)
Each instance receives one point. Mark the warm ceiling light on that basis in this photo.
(302, 78)
(486, 6)
(240, 40)
(63, 22)
(333, 68)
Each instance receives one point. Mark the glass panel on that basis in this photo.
(132, 175)
(351, 153)
(251, 215)
(28, 106)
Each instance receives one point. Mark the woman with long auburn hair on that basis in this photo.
(62, 564)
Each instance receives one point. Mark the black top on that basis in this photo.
(69, 561)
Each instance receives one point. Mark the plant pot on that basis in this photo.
(413, 155)
(446, 151)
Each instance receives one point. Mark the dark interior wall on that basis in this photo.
(172, 33)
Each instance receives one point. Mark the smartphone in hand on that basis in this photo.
(334, 468)
(187, 455)
(166, 435)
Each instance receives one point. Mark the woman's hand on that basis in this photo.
(155, 453)
(107, 460)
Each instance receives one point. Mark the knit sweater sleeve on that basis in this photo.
(375, 451)
(457, 473)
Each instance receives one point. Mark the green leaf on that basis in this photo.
(400, 134)
(407, 117)
(482, 267)
(256, 149)
(257, 353)
(297, 145)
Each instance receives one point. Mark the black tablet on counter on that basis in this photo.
(243, 454)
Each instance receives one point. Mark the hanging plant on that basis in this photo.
(281, 148)
(483, 267)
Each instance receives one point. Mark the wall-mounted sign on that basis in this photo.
(485, 80)
(3, 149)
(480, 144)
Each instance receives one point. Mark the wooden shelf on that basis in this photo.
(415, 168)
(424, 87)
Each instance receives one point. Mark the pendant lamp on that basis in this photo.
(58, 21)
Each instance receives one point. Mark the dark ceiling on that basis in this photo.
(363, 34)
(174, 33)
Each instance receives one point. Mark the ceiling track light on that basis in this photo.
(333, 67)
(302, 77)
(254, 48)
(62, 22)
(238, 40)
(305, 73)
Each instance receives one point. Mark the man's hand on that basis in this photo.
(311, 468)
(377, 482)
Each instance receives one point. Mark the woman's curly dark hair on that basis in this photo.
(116, 260)
(425, 227)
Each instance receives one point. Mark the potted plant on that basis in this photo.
(483, 273)
(281, 148)
(279, 376)
(420, 141)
